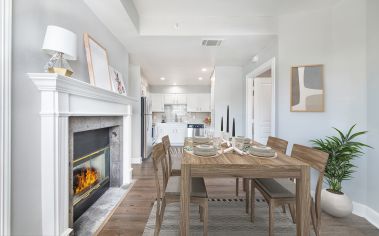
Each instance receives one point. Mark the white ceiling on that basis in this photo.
(166, 39)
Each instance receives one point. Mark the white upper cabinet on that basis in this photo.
(175, 99)
(199, 102)
(196, 102)
(170, 99)
(181, 98)
(157, 103)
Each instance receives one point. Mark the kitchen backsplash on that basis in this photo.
(178, 113)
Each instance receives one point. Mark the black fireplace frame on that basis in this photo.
(91, 144)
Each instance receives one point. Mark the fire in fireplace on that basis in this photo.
(91, 169)
(84, 178)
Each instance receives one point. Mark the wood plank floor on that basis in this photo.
(130, 217)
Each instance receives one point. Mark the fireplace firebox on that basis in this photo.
(90, 168)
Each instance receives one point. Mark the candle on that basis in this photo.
(234, 128)
(227, 119)
(222, 123)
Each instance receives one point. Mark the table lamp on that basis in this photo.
(61, 44)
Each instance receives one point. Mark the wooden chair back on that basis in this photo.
(167, 147)
(160, 172)
(317, 160)
(278, 144)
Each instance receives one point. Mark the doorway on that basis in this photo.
(260, 102)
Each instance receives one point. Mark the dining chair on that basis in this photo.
(174, 157)
(168, 190)
(278, 192)
(279, 145)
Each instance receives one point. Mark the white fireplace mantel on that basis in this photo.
(62, 97)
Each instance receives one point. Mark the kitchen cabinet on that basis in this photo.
(157, 102)
(171, 99)
(176, 131)
(200, 102)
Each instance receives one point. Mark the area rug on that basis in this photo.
(226, 217)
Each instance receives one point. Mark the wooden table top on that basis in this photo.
(234, 160)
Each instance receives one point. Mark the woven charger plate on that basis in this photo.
(263, 157)
(204, 150)
(190, 150)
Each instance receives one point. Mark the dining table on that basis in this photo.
(234, 164)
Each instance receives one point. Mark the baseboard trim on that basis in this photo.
(136, 160)
(366, 212)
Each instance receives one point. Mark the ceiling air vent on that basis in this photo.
(211, 42)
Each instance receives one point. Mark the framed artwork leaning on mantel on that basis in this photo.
(97, 60)
(307, 88)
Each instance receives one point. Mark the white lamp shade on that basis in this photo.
(58, 39)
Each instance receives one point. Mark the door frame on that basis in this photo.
(5, 116)
(270, 64)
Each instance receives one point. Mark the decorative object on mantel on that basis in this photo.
(307, 88)
(97, 60)
(117, 81)
(342, 149)
(234, 128)
(61, 44)
(227, 119)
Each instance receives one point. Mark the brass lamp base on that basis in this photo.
(61, 71)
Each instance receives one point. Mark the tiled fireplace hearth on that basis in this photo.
(69, 109)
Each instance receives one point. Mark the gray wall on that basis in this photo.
(336, 38)
(135, 91)
(30, 19)
(227, 91)
(372, 103)
(266, 54)
(179, 89)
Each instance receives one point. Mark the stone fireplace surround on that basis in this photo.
(83, 123)
(63, 98)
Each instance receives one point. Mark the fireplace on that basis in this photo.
(90, 168)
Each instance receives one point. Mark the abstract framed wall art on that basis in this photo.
(307, 88)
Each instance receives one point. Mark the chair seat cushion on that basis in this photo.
(198, 187)
(277, 188)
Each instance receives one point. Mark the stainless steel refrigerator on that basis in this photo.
(146, 128)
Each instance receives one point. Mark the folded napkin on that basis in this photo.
(234, 149)
(226, 142)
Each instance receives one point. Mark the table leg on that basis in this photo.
(303, 203)
(185, 199)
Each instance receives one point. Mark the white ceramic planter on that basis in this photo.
(338, 205)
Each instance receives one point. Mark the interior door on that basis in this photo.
(249, 108)
(262, 109)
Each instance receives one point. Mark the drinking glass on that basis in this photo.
(217, 142)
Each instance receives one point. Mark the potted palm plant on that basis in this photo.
(342, 149)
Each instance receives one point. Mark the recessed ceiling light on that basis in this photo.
(204, 69)
(255, 59)
(200, 78)
(174, 83)
(163, 78)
